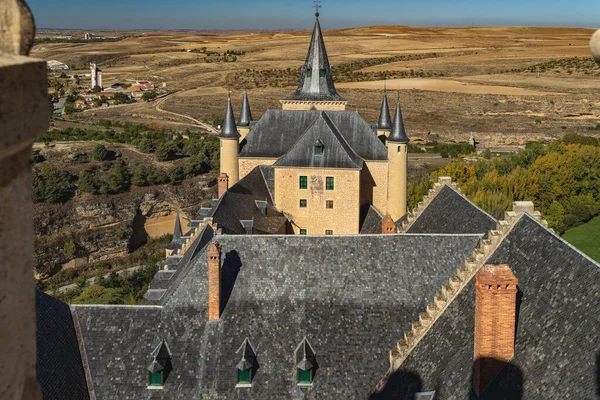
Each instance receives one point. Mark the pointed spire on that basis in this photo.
(245, 114)
(385, 120)
(229, 130)
(398, 134)
(316, 80)
(177, 233)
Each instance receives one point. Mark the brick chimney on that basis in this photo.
(387, 225)
(214, 281)
(495, 319)
(223, 184)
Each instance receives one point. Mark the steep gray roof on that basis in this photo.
(229, 129)
(277, 290)
(176, 243)
(59, 368)
(398, 134)
(245, 114)
(239, 202)
(277, 131)
(336, 152)
(371, 224)
(556, 351)
(451, 212)
(385, 120)
(316, 80)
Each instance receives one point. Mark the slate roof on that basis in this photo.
(336, 152)
(229, 129)
(385, 120)
(59, 367)
(239, 202)
(276, 291)
(451, 212)
(556, 351)
(372, 222)
(276, 132)
(245, 114)
(313, 84)
(398, 133)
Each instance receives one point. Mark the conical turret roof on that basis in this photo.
(385, 120)
(177, 232)
(316, 80)
(245, 114)
(229, 130)
(398, 134)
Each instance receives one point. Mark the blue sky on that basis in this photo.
(282, 14)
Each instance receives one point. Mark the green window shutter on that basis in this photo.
(155, 378)
(330, 184)
(303, 231)
(303, 203)
(244, 376)
(318, 150)
(304, 377)
(303, 182)
(322, 73)
(308, 73)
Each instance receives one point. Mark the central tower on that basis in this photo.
(315, 89)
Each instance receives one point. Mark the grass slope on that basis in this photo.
(586, 238)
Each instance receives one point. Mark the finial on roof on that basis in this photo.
(385, 120)
(317, 6)
(398, 134)
(229, 130)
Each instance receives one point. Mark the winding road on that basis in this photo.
(207, 127)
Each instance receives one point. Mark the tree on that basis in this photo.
(147, 96)
(96, 89)
(51, 185)
(70, 248)
(141, 175)
(166, 151)
(487, 154)
(147, 146)
(36, 157)
(118, 180)
(121, 98)
(100, 152)
(69, 108)
(176, 175)
(87, 182)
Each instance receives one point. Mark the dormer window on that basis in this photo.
(248, 366)
(322, 73)
(306, 363)
(319, 146)
(160, 367)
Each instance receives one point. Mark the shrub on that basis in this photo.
(100, 152)
(118, 179)
(87, 182)
(147, 146)
(51, 185)
(166, 151)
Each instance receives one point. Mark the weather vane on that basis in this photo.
(317, 6)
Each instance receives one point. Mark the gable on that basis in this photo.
(334, 151)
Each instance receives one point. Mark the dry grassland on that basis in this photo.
(504, 85)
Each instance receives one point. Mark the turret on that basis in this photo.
(243, 124)
(397, 167)
(175, 244)
(230, 146)
(384, 125)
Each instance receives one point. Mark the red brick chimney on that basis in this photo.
(495, 319)
(387, 225)
(214, 281)
(223, 184)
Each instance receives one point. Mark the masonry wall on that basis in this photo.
(343, 219)
(374, 184)
(248, 164)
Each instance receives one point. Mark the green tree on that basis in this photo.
(118, 179)
(487, 154)
(36, 157)
(96, 89)
(141, 175)
(176, 175)
(69, 108)
(147, 146)
(147, 96)
(121, 98)
(166, 151)
(70, 248)
(51, 185)
(87, 182)
(100, 152)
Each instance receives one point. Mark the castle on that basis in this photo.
(442, 302)
(327, 163)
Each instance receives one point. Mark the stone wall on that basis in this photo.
(343, 219)
(319, 105)
(248, 164)
(374, 184)
(24, 105)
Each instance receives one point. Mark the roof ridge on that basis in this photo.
(266, 183)
(458, 191)
(340, 137)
